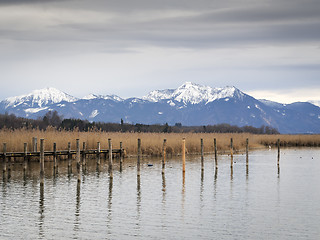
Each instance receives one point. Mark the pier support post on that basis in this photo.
(202, 157)
(78, 154)
(4, 166)
(25, 158)
(55, 160)
(215, 152)
(84, 156)
(34, 144)
(183, 155)
(41, 162)
(278, 143)
(110, 158)
(231, 152)
(69, 157)
(247, 151)
(98, 153)
(121, 156)
(139, 156)
(164, 153)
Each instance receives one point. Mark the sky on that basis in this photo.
(268, 49)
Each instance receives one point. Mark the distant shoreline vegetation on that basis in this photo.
(53, 120)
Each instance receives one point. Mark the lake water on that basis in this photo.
(261, 202)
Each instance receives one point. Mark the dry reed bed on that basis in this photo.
(151, 143)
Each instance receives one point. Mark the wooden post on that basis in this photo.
(98, 153)
(183, 155)
(55, 162)
(4, 166)
(69, 156)
(41, 161)
(121, 156)
(202, 157)
(164, 153)
(84, 156)
(78, 154)
(25, 152)
(110, 158)
(139, 155)
(278, 143)
(247, 151)
(231, 152)
(34, 144)
(215, 152)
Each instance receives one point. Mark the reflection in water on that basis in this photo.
(109, 217)
(77, 212)
(278, 171)
(183, 192)
(201, 189)
(163, 185)
(231, 174)
(247, 172)
(41, 211)
(138, 203)
(215, 181)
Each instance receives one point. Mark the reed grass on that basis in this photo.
(151, 143)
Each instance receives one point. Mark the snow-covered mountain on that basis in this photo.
(193, 93)
(189, 104)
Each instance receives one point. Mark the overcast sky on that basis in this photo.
(268, 49)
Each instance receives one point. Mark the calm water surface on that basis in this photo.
(261, 202)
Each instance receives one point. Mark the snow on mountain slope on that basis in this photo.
(105, 97)
(317, 103)
(194, 94)
(40, 98)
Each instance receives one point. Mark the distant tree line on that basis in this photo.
(10, 121)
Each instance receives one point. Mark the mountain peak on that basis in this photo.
(40, 97)
(194, 93)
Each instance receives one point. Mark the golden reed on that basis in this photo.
(151, 143)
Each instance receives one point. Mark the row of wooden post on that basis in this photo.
(202, 154)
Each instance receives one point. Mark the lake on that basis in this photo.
(258, 202)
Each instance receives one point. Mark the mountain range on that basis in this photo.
(190, 104)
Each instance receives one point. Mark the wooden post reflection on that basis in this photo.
(55, 159)
(69, 158)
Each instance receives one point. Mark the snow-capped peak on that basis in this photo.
(105, 97)
(38, 98)
(194, 93)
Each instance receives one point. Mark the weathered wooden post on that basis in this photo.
(25, 158)
(78, 159)
(278, 143)
(34, 144)
(164, 153)
(139, 156)
(98, 153)
(69, 157)
(121, 156)
(84, 156)
(41, 161)
(202, 157)
(4, 166)
(55, 160)
(215, 152)
(110, 158)
(247, 151)
(183, 155)
(231, 152)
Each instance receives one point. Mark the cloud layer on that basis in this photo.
(159, 44)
